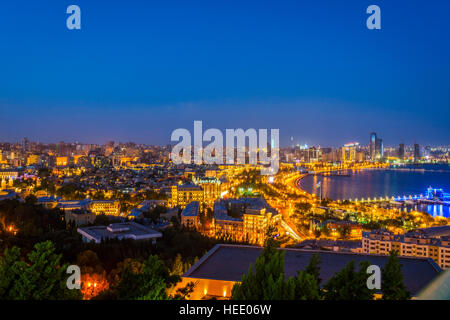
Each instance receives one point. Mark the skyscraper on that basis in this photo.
(416, 152)
(376, 149)
(379, 149)
(372, 144)
(401, 151)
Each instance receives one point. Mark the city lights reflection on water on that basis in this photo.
(381, 183)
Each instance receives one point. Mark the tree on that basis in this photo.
(265, 280)
(150, 284)
(101, 220)
(115, 275)
(89, 262)
(41, 278)
(178, 266)
(392, 285)
(313, 268)
(98, 195)
(10, 269)
(155, 213)
(184, 292)
(303, 207)
(344, 231)
(326, 230)
(348, 284)
(93, 275)
(93, 284)
(43, 173)
(306, 286)
(317, 233)
(31, 199)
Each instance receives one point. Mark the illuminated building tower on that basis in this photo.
(379, 149)
(376, 149)
(25, 144)
(401, 151)
(372, 144)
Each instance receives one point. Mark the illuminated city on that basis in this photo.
(224, 156)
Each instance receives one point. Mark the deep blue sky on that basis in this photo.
(139, 69)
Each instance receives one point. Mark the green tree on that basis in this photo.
(149, 284)
(265, 280)
(348, 284)
(313, 268)
(306, 287)
(392, 285)
(155, 213)
(178, 266)
(41, 278)
(89, 262)
(115, 275)
(307, 282)
(10, 269)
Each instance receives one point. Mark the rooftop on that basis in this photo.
(413, 237)
(245, 205)
(125, 230)
(230, 262)
(435, 231)
(191, 210)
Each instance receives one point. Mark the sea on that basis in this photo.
(391, 182)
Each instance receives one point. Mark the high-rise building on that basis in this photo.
(372, 143)
(375, 147)
(25, 144)
(401, 151)
(416, 152)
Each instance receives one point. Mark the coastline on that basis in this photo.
(297, 184)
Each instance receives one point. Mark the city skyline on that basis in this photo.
(138, 72)
(292, 143)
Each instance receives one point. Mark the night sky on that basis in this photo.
(137, 70)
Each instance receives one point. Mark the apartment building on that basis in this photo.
(411, 244)
(244, 219)
(181, 195)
